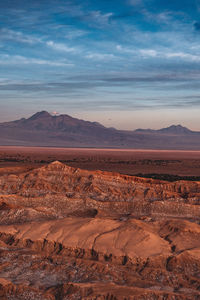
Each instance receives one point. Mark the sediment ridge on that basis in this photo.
(67, 233)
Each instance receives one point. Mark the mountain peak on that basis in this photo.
(178, 126)
(40, 114)
(175, 129)
(172, 130)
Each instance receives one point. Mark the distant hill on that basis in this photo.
(173, 129)
(176, 129)
(44, 129)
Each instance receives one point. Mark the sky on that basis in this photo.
(125, 63)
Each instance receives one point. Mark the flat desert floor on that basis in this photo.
(125, 161)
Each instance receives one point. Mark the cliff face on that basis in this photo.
(68, 233)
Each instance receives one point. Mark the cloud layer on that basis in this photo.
(100, 55)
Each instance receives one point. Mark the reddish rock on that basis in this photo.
(68, 233)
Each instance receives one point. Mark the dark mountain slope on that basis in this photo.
(173, 129)
(43, 129)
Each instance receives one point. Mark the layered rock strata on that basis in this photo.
(67, 233)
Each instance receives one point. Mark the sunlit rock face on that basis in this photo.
(68, 233)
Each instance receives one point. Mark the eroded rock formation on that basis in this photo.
(68, 233)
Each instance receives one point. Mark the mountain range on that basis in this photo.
(44, 129)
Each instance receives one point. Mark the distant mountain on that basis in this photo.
(44, 129)
(173, 129)
(51, 130)
(176, 129)
(45, 121)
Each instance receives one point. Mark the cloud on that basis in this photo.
(74, 33)
(161, 53)
(148, 52)
(95, 18)
(21, 60)
(92, 18)
(18, 36)
(99, 18)
(100, 56)
(98, 92)
(60, 47)
(106, 44)
(165, 17)
(123, 49)
(184, 56)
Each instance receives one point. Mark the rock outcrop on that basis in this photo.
(62, 190)
(67, 233)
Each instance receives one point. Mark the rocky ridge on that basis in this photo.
(68, 233)
(62, 190)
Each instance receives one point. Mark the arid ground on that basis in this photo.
(74, 225)
(130, 162)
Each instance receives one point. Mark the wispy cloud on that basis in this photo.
(18, 36)
(91, 17)
(123, 49)
(72, 33)
(164, 17)
(163, 53)
(60, 47)
(168, 55)
(100, 56)
(97, 17)
(148, 53)
(22, 60)
(184, 56)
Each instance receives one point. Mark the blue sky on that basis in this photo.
(124, 63)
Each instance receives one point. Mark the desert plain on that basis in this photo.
(87, 224)
(125, 161)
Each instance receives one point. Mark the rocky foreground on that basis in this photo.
(67, 233)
